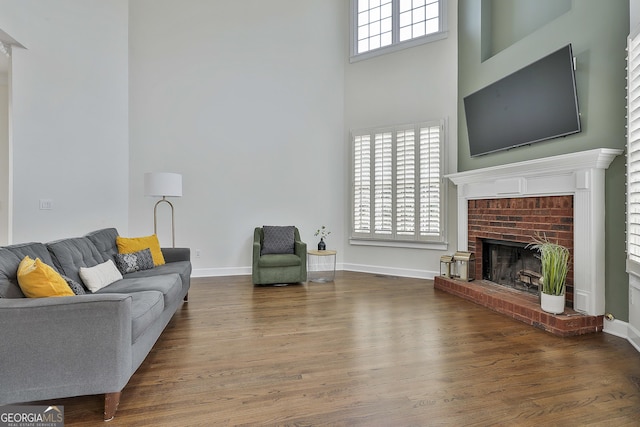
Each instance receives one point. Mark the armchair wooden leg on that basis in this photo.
(186, 297)
(111, 402)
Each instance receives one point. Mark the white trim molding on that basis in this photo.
(581, 175)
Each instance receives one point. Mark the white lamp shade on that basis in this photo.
(163, 184)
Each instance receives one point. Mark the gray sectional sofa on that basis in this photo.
(78, 345)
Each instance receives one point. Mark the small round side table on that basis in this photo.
(321, 265)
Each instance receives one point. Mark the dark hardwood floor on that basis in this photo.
(366, 350)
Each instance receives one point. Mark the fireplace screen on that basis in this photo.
(511, 264)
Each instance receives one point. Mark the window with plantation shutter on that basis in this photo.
(633, 153)
(403, 166)
(380, 26)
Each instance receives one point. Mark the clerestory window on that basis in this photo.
(379, 26)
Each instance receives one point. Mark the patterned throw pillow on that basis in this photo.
(277, 239)
(76, 287)
(135, 261)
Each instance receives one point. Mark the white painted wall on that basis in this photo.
(251, 101)
(4, 159)
(408, 86)
(245, 99)
(69, 115)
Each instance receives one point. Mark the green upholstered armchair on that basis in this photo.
(271, 268)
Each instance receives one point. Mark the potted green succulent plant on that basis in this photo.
(555, 265)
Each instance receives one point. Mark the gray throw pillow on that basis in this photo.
(277, 239)
(136, 261)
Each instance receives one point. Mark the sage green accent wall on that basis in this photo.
(508, 21)
(597, 30)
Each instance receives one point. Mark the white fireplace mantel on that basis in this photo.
(581, 175)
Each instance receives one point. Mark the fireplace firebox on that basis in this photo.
(511, 264)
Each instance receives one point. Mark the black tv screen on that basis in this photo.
(536, 103)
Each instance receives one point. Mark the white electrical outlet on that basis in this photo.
(46, 204)
(197, 253)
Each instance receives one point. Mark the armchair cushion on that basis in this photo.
(278, 240)
(279, 260)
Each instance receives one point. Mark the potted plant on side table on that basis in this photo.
(555, 265)
(322, 232)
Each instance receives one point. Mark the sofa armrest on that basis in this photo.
(64, 346)
(176, 254)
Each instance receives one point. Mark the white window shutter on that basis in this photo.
(362, 184)
(633, 149)
(405, 182)
(383, 183)
(430, 181)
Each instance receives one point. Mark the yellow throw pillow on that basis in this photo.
(38, 280)
(128, 245)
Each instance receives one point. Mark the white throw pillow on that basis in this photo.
(99, 276)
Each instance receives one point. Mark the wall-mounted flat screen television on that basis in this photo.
(536, 103)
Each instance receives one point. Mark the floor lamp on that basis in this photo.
(163, 184)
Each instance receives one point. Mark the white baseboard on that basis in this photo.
(217, 272)
(634, 337)
(391, 271)
(373, 269)
(616, 327)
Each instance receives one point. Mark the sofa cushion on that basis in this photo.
(146, 308)
(127, 245)
(183, 268)
(39, 280)
(135, 261)
(71, 254)
(9, 287)
(280, 260)
(105, 241)
(99, 276)
(10, 257)
(169, 285)
(277, 239)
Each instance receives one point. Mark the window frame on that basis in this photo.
(395, 239)
(395, 45)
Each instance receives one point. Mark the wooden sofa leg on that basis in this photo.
(186, 297)
(111, 402)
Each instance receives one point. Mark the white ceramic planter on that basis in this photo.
(553, 304)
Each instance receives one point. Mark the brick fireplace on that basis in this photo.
(520, 220)
(562, 196)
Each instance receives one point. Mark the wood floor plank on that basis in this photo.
(366, 350)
